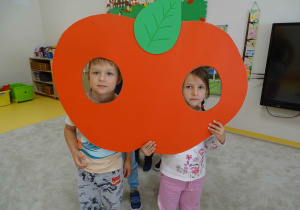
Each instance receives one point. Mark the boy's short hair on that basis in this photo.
(100, 61)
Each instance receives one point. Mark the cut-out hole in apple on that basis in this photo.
(101, 77)
(201, 88)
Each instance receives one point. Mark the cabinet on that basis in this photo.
(42, 79)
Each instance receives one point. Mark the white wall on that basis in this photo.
(20, 32)
(58, 15)
(253, 117)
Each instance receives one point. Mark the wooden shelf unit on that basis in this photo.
(38, 66)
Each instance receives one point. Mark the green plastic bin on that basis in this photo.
(215, 87)
(21, 92)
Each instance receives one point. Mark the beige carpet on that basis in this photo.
(37, 172)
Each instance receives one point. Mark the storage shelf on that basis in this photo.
(40, 70)
(51, 83)
(41, 87)
(46, 59)
(39, 92)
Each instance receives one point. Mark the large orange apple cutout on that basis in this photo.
(150, 106)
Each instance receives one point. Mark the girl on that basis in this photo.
(182, 174)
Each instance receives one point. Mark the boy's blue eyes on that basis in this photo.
(108, 73)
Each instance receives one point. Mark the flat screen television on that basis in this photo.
(281, 86)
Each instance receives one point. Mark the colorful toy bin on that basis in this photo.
(20, 92)
(4, 98)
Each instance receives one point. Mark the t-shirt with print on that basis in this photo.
(99, 160)
(188, 165)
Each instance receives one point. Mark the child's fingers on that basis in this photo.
(151, 147)
(149, 144)
(80, 164)
(217, 127)
(78, 157)
(219, 124)
(125, 172)
(128, 173)
(214, 127)
(214, 131)
(81, 156)
(151, 150)
(148, 148)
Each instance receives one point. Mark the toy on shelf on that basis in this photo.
(48, 52)
(39, 52)
(44, 52)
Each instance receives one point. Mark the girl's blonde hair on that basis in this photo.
(101, 61)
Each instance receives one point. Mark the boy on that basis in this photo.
(98, 171)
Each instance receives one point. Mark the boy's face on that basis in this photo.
(193, 90)
(103, 78)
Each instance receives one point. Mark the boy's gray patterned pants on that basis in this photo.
(100, 191)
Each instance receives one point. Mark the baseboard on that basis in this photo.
(264, 137)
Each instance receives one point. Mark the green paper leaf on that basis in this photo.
(157, 27)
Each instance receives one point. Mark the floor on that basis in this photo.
(37, 172)
(18, 115)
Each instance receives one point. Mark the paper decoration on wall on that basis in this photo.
(193, 10)
(150, 105)
(250, 40)
(157, 32)
(223, 27)
(190, 9)
(215, 84)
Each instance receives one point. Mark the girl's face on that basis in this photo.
(103, 79)
(193, 90)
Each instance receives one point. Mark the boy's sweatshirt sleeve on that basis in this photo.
(213, 143)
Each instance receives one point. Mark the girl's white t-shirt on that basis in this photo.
(188, 165)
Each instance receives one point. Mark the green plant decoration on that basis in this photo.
(157, 27)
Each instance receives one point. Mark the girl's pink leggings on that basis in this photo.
(173, 192)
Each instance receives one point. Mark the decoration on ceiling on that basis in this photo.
(190, 9)
(250, 40)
